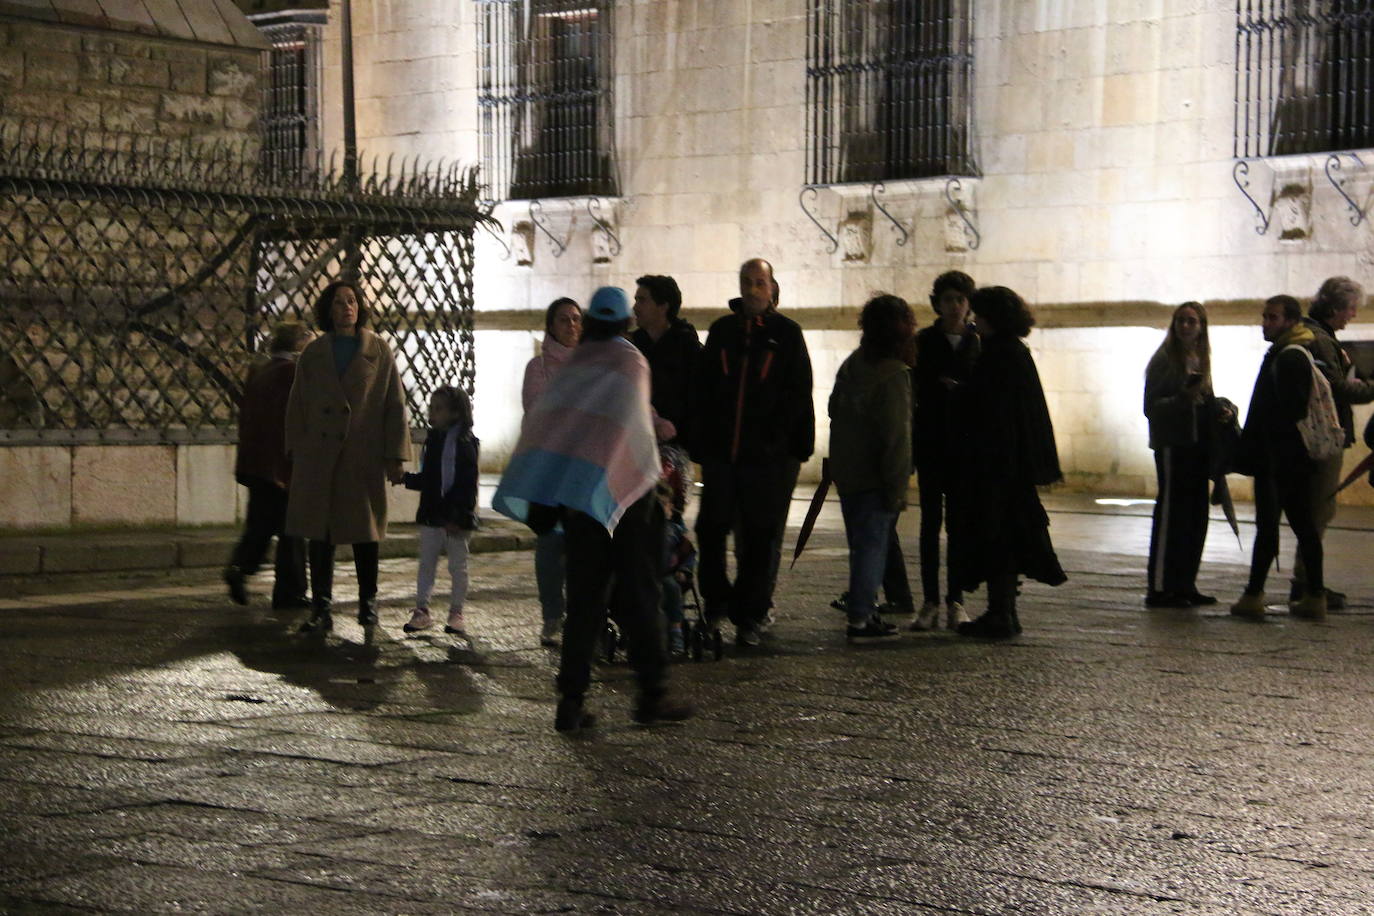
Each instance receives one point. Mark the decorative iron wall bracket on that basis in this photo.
(1240, 175)
(594, 211)
(536, 214)
(1333, 164)
(880, 188)
(952, 188)
(814, 191)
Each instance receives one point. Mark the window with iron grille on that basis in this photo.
(293, 71)
(545, 69)
(1304, 76)
(889, 87)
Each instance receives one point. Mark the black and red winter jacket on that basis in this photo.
(751, 397)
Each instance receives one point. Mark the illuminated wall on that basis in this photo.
(1104, 133)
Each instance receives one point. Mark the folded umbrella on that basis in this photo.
(1359, 471)
(1221, 496)
(812, 512)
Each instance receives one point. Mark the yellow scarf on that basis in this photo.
(1299, 334)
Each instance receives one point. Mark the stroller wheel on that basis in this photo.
(717, 645)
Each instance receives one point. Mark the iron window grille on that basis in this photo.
(1304, 76)
(293, 73)
(889, 90)
(545, 72)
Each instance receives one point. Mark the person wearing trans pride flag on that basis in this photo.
(587, 457)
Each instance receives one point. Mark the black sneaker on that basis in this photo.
(661, 707)
(1166, 599)
(238, 591)
(990, 626)
(571, 716)
(841, 603)
(1335, 601)
(367, 612)
(1198, 598)
(872, 631)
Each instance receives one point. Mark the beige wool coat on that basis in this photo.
(340, 433)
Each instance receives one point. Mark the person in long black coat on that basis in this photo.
(1006, 443)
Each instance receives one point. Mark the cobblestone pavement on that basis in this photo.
(161, 749)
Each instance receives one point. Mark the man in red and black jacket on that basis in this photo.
(752, 425)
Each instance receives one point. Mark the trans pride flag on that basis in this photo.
(588, 441)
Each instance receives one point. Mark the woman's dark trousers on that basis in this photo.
(1289, 490)
(322, 571)
(1179, 530)
(932, 477)
(631, 559)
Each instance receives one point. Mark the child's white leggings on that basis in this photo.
(432, 543)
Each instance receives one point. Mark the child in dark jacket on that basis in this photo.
(447, 482)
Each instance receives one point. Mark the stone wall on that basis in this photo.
(128, 84)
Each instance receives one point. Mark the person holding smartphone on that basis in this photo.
(1180, 406)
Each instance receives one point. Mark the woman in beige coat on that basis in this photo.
(347, 434)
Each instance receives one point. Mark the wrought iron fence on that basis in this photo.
(138, 278)
(889, 90)
(292, 75)
(545, 71)
(1304, 76)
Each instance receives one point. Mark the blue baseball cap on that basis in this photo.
(609, 303)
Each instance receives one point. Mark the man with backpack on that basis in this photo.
(1289, 429)
(1334, 307)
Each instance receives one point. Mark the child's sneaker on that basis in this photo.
(419, 620)
(455, 624)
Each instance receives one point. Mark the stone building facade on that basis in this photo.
(127, 76)
(1103, 139)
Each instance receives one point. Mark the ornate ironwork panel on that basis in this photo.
(138, 279)
(545, 72)
(889, 90)
(1304, 76)
(292, 75)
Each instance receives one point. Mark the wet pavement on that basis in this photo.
(162, 749)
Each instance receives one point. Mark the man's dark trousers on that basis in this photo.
(265, 517)
(751, 500)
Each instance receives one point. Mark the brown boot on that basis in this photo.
(1312, 606)
(1250, 606)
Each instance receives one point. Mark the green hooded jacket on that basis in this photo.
(870, 428)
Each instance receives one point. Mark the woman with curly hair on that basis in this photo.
(1005, 445)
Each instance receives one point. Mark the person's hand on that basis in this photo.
(949, 383)
(395, 472)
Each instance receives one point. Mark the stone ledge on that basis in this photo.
(82, 554)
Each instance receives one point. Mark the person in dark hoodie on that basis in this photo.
(945, 354)
(1273, 452)
(750, 426)
(1334, 307)
(870, 453)
(447, 481)
(1005, 449)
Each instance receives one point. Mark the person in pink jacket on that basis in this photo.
(562, 331)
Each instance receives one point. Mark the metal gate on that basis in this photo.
(138, 278)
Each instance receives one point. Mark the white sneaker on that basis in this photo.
(455, 624)
(419, 620)
(954, 615)
(927, 618)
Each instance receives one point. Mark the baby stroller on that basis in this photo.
(679, 565)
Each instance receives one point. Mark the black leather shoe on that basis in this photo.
(367, 612)
(1166, 599)
(571, 716)
(661, 707)
(989, 626)
(1198, 598)
(1335, 601)
(321, 617)
(238, 591)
